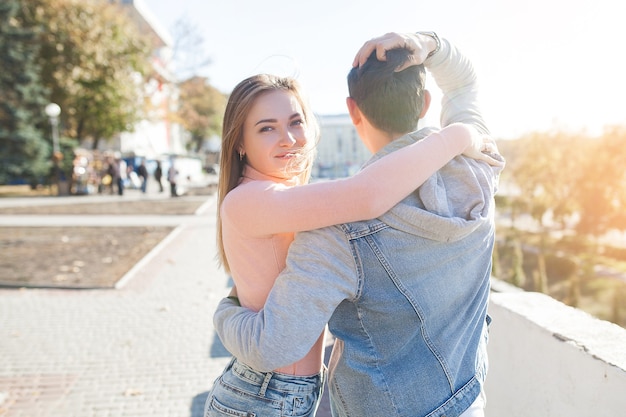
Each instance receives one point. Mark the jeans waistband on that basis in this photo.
(277, 381)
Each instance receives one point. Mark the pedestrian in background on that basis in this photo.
(109, 177)
(120, 174)
(172, 177)
(158, 174)
(142, 171)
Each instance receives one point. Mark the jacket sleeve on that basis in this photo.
(455, 76)
(298, 307)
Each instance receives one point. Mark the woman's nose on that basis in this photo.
(288, 139)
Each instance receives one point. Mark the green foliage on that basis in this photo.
(85, 56)
(518, 277)
(93, 60)
(574, 188)
(24, 147)
(562, 174)
(578, 272)
(601, 189)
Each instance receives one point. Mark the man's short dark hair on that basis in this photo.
(392, 101)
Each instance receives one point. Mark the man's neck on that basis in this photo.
(379, 139)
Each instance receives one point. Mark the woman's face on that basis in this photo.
(274, 135)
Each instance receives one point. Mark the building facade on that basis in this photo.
(340, 152)
(156, 135)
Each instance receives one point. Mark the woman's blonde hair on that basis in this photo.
(232, 162)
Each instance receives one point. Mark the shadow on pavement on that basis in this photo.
(197, 405)
(217, 348)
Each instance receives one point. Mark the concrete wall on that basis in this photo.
(548, 359)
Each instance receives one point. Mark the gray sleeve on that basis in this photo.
(320, 274)
(455, 76)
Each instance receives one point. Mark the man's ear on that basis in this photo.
(427, 99)
(353, 110)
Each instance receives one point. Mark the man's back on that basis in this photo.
(407, 342)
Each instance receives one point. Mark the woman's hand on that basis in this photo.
(484, 148)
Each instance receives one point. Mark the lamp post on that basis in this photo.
(53, 111)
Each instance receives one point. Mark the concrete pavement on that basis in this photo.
(145, 349)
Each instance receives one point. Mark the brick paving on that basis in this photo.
(145, 349)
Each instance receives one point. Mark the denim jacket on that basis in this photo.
(413, 341)
(405, 295)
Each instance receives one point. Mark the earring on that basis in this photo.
(241, 155)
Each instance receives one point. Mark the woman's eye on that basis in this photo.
(298, 122)
(266, 129)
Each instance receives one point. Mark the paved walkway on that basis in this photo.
(145, 349)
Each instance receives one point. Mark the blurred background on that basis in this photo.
(90, 85)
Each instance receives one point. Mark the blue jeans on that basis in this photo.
(243, 392)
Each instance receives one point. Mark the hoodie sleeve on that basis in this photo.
(298, 307)
(455, 76)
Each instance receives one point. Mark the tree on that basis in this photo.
(24, 150)
(601, 187)
(201, 109)
(188, 51)
(201, 106)
(544, 169)
(92, 59)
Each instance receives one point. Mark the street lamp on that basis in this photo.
(53, 111)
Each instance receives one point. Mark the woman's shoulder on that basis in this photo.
(251, 192)
(247, 199)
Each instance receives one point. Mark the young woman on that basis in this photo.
(268, 141)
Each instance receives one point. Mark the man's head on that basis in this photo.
(391, 101)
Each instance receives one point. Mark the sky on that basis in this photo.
(542, 64)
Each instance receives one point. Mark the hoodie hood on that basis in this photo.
(452, 203)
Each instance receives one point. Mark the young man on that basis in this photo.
(405, 295)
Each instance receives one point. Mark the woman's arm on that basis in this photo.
(368, 194)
